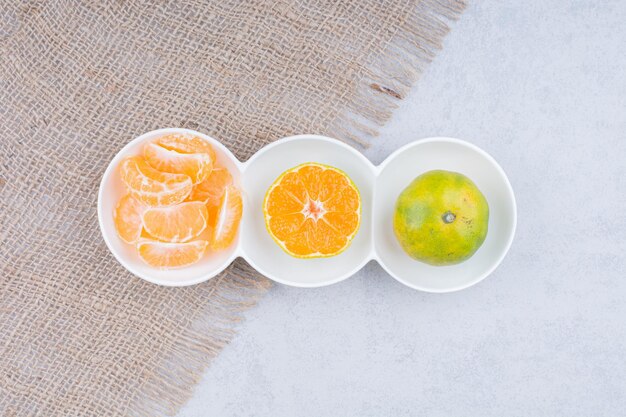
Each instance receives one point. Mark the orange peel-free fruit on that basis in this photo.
(195, 165)
(153, 187)
(171, 255)
(186, 143)
(211, 190)
(225, 218)
(127, 217)
(178, 223)
(180, 202)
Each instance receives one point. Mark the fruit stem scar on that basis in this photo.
(448, 217)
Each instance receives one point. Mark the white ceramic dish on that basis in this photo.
(379, 187)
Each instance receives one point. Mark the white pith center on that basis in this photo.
(313, 209)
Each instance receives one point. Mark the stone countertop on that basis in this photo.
(541, 85)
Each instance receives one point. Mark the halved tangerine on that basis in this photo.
(171, 255)
(312, 211)
(224, 218)
(178, 223)
(153, 187)
(196, 165)
(127, 217)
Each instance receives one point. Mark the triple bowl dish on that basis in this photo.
(379, 187)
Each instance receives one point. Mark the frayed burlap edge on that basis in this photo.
(171, 386)
(390, 74)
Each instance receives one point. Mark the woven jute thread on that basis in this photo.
(78, 334)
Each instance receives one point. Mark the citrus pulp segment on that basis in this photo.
(178, 223)
(186, 143)
(196, 165)
(127, 217)
(211, 189)
(225, 218)
(171, 255)
(151, 186)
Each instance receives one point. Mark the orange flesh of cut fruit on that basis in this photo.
(211, 190)
(153, 187)
(127, 218)
(224, 218)
(312, 211)
(171, 255)
(178, 223)
(196, 165)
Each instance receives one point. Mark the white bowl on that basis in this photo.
(262, 252)
(399, 169)
(112, 189)
(379, 188)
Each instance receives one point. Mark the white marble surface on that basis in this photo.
(541, 85)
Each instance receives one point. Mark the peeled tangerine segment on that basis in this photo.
(313, 210)
(153, 187)
(196, 165)
(127, 217)
(225, 218)
(211, 190)
(186, 143)
(178, 223)
(171, 255)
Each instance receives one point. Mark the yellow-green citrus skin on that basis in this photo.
(441, 218)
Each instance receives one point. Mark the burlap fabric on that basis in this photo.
(78, 334)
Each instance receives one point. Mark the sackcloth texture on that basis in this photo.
(79, 335)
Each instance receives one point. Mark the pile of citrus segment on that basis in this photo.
(180, 202)
(312, 211)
